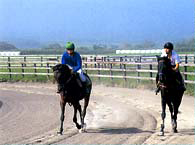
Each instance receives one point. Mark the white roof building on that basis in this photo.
(9, 53)
(138, 51)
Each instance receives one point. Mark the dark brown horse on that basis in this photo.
(171, 93)
(71, 92)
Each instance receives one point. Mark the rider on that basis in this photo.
(73, 60)
(175, 60)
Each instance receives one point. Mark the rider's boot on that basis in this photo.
(59, 88)
(157, 90)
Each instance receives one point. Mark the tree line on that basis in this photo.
(56, 48)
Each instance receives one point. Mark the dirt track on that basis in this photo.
(29, 113)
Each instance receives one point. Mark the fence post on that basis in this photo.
(121, 60)
(9, 67)
(35, 67)
(99, 71)
(86, 68)
(41, 61)
(185, 68)
(139, 67)
(108, 60)
(23, 65)
(86, 64)
(95, 65)
(25, 61)
(125, 73)
(111, 71)
(151, 75)
(58, 59)
(47, 70)
(104, 62)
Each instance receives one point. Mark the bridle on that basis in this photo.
(161, 85)
(64, 85)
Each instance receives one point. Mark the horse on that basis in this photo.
(71, 92)
(171, 94)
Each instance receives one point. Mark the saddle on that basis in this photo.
(85, 86)
(178, 79)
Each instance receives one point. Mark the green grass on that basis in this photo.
(114, 82)
(128, 83)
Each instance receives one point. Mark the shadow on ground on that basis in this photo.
(118, 131)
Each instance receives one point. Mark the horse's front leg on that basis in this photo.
(76, 106)
(62, 105)
(82, 119)
(163, 115)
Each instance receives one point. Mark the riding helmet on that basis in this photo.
(168, 45)
(70, 46)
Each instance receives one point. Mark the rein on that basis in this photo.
(162, 86)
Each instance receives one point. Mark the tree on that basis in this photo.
(54, 46)
(185, 45)
(4, 46)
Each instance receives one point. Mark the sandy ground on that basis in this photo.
(30, 112)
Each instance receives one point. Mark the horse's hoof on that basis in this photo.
(59, 133)
(78, 126)
(81, 130)
(161, 133)
(84, 126)
(175, 131)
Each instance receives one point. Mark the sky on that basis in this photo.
(96, 21)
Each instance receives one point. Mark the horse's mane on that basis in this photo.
(61, 73)
(61, 68)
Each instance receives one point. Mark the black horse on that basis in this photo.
(171, 93)
(71, 92)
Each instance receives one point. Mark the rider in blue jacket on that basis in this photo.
(73, 59)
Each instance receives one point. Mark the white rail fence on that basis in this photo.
(121, 67)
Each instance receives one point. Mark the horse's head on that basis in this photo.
(61, 73)
(164, 70)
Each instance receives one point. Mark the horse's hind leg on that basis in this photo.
(82, 119)
(86, 102)
(175, 109)
(62, 105)
(171, 112)
(174, 120)
(76, 106)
